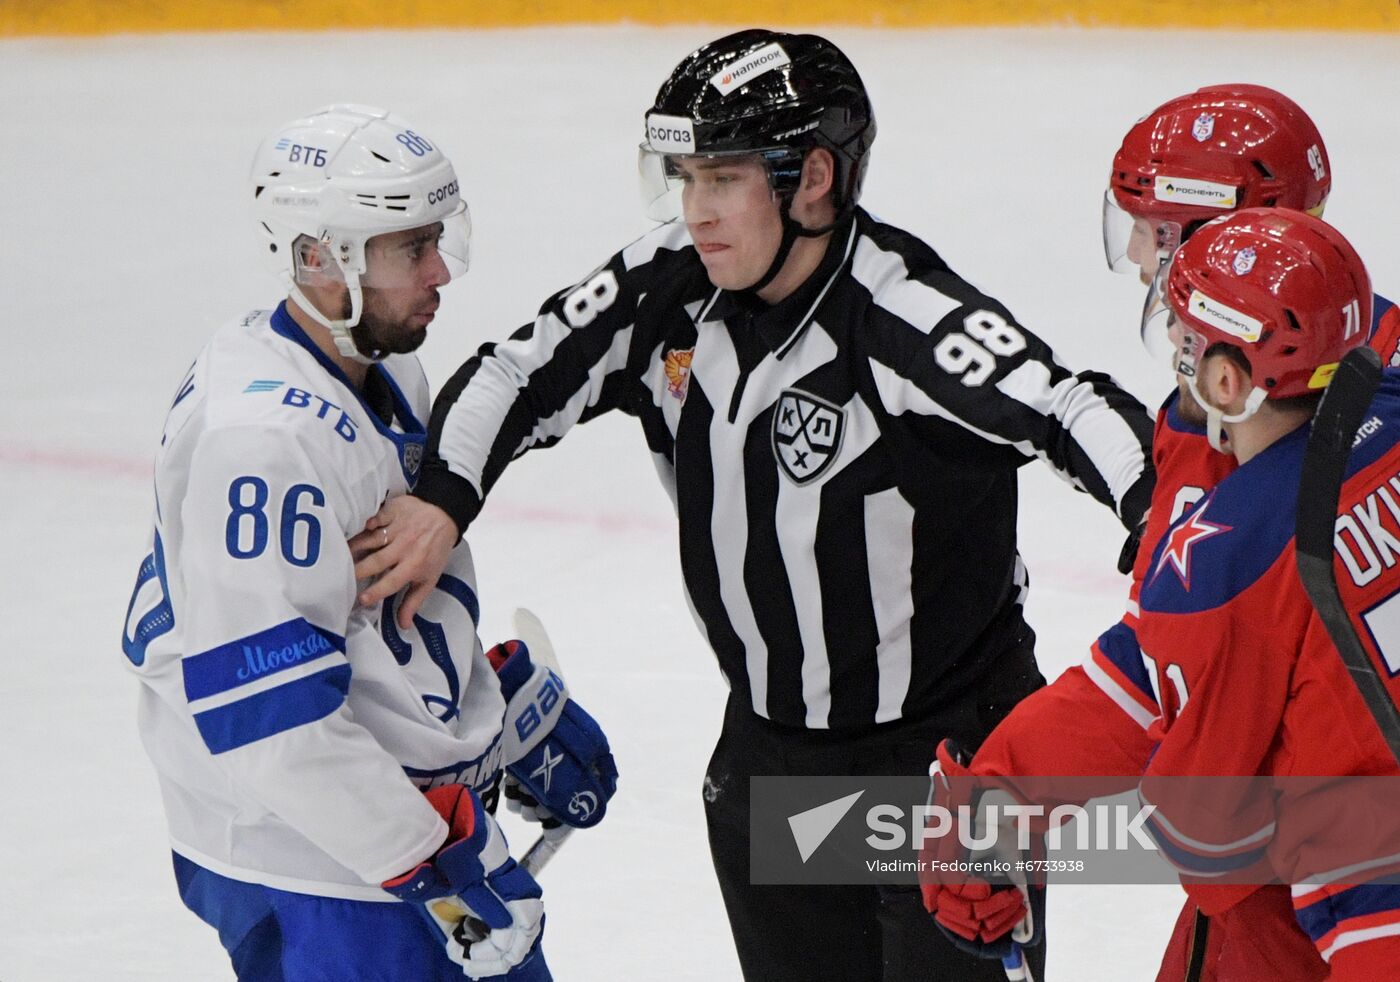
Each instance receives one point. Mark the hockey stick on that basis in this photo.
(528, 628)
(1324, 466)
(1015, 966)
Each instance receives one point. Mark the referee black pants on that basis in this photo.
(831, 933)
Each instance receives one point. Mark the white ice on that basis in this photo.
(126, 241)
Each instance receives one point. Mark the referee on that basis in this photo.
(840, 418)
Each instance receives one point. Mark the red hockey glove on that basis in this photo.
(977, 914)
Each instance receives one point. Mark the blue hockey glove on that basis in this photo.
(487, 909)
(555, 750)
(520, 801)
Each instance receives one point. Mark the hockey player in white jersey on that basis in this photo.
(323, 772)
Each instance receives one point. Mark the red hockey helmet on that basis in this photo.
(1282, 286)
(1219, 149)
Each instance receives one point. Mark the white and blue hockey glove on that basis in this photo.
(554, 750)
(486, 909)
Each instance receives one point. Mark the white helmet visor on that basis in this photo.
(1120, 228)
(1157, 318)
(408, 257)
(709, 187)
(1117, 232)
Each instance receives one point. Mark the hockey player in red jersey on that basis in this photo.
(1260, 144)
(1257, 687)
(1263, 304)
(1194, 158)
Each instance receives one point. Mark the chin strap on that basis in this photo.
(342, 331)
(792, 231)
(1215, 417)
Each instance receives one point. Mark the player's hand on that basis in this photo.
(408, 541)
(520, 801)
(486, 908)
(977, 914)
(555, 752)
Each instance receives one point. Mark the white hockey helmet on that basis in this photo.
(343, 175)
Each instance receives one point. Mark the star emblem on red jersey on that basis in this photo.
(1180, 540)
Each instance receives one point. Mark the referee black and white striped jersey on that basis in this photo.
(843, 464)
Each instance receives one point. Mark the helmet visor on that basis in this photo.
(1130, 244)
(708, 187)
(1157, 320)
(1117, 231)
(396, 259)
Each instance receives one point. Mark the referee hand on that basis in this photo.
(407, 543)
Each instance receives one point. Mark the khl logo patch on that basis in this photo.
(806, 434)
(411, 457)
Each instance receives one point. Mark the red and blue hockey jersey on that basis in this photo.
(1247, 682)
(1101, 718)
(1096, 719)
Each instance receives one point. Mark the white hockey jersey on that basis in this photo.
(291, 730)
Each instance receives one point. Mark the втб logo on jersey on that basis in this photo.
(806, 434)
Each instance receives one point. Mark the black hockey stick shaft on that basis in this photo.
(1324, 466)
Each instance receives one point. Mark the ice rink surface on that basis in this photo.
(125, 240)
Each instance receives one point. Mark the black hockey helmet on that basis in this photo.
(774, 94)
